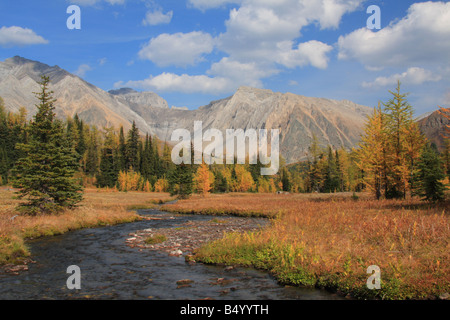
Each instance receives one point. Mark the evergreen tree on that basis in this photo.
(109, 167)
(45, 174)
(132, 148)
(285, 178)
(181, 181)
(430, 175)
(122, 151)
(80, 146)
(314, 173)
(331, 183)
(91, 162)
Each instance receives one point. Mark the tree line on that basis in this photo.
(50, 160)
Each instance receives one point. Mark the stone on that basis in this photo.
(444, 296)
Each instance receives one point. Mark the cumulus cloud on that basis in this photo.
(248, 74)
(155, 17)
(82, 69)
(18, 36)
(423, 36)
(170, 82)
(414, 76)
(308, 53)
(261, 38)
(179, 49)
(266, 30)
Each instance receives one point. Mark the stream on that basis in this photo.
(111, 270)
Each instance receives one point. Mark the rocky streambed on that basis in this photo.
(184, 238)
(116, 263)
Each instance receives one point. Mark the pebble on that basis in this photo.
(444, 296)
(187, 237)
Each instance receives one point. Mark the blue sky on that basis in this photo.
(194, 51)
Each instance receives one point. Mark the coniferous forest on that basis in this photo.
(48, 158)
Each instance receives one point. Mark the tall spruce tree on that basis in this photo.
(429, 175)
(109, 166)
(45, 175)
(132, 148)
(180, 179)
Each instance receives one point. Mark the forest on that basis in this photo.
(393, 160)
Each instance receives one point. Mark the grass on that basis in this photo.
(329, 241)
(99, 208)
(155, 239)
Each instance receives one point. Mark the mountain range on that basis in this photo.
(299, 118)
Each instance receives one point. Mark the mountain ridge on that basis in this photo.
(299, 118)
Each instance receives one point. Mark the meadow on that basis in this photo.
(316, 240)
(329, 241)
(99, 208)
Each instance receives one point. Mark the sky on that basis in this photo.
(191, 52)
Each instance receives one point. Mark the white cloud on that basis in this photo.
(248, 74)
(102, 61)
(18, 36)
(413, 76)
(447, 98)
(261, 37)
(308, 53)
(260, 28)
(169, 82)
(153, 18)
(179, 49)
(423, 36)
(82, 69)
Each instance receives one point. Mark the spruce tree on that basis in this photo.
(122, 151)
(430, 175)
(45, 175)
(132, 148)
(109, 167)
(181, 181)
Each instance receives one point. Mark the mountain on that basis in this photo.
(336, 123)
(18, 81)
(433, 127)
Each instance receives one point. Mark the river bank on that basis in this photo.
(330, 241)
(112, 270)
(99, 208)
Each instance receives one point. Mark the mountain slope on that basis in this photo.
(18, 81)
(299, 118)
(336, 123)
(433, 127)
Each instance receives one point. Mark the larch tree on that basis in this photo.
(399, 116)
(203, 179)
(372, 154)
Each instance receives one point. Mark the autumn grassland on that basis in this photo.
(329, 241)
(99, 208)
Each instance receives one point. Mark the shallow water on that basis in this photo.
(112, 270)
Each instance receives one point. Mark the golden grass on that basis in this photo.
(99, 208)
(331, 240)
